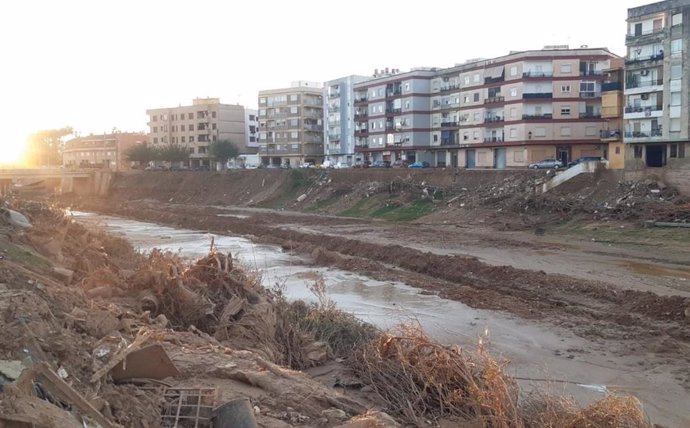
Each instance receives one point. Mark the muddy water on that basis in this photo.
(535, 351)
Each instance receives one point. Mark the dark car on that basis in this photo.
(547, 164)
(381, 164)
(362, 164)
(423, 164)
(400, 163)
(586, 159)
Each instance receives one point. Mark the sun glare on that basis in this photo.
(12, 152)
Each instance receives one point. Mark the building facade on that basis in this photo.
(612, 107)
(197, 126)
(339, 119)
(392, 116)
(656, 94)
(291, 126)
(514, 110)
(105, 150)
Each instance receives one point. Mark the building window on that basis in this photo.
(565, 89)
(293, 110)
(589, 87)
(513, 113)
(513, 92)
(407, 105)
(638, 152)
(565, 111)
(677, 19)
(565, 131)
(476, 97)
(154, 118)
(476, 78)
(155, 140)
(190, 116)
(467, 80)
(262, 100)
(676, 45)
(676, 72)
(673, 152)
(183, 139)
(191, 138)
(213, 126)
(674, 125)
(465, 136)
(513, 70)
(566, 68)
(407, 87)
(476, 135)
(618, 150)
(540, 132)
(466, 99)
(155, 129)
(513, 132)
(477, 117)
(213, 114)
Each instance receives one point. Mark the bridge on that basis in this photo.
(81, 181)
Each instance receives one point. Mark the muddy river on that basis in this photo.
(537, 353)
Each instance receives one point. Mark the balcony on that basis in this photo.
(634, 83)
(537, 74)
(361, 115)
(449, 88)
(646, 58)
(641, 112)
(589, 94)
(591, 73)
(494, 100)
(611, 86)
(491, 80)
(335, 94)
(393, 110)
(656, 132)
(631, 37)
(493, 139)
(537, 116)
(393, 92)
(449, 124)
(315, 128)
(334, 137)
(493, 119)
(537, 96)
(361, 132)
(590, 115)
(361, 99)
(610, 134)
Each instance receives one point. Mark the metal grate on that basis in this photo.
(188, 407)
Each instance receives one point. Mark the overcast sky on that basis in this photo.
(95, 65)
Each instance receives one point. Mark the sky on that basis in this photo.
(99, 64)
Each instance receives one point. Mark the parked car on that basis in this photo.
(586, 159)
(423, 164)
(400, 163)
(381, 164)
(547, 164)
(362, 164)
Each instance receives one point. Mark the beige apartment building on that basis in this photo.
(517, 109)
(291, 125)
(199, 125)
(104, 151)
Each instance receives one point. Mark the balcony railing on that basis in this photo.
(588, 115)
(448, 142)
(393, 110)
(313, 127)
(494, 100)
(611, 86)
(449, 88)
(638, 134)
(362, 115)
(541, 95)
(490, 80)
(361, 132)
(537, 116)
(655, 57)
(361, 99)
(591, 73)
(642, 109)
(632, 84)
(530, 73)
(589, 94)
(609, 133)
(335, 94)
(629, 37)
(394, 92)
(493, 139)
(448, 124)
(493, 119)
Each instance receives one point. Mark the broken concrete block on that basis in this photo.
(65, 275)
(151, 362)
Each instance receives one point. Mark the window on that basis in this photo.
(407, 87)
(675, 98)
(380, 92)
(676, 45)
(293, 110)
(476, 78)
(435, 138)
(565, 89)
(293, 97)
(673, 152)
(590, 131)
(674, 126)
(475, 135)
(588, 87)
(407, 105)
(190, 116)
(466, 99)
(519, 155)
(191, 138)
(213, 114)
(477, 117)
(638, 152)
(182, 128)
(467, 80)
(676, 72)
(677, 19)
(154, 119)
(540, 132)
(565, 131)
(155, 129)
(476, 97)
(513, 92)
(155, 140)
(293, 134)
(618, 150)
(565, 110)
(262, 100)
(183, 139)
(513, 132)
(465, 136)
(566, 68)
(513, 70)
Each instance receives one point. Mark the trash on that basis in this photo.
(301, 197)
(62, 373)
(597, 388)
(15, 218)
(151, 362)
(237, 413)
(120, 356)
(189, 407)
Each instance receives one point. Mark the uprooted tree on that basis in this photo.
(223, 151)
(45, 146)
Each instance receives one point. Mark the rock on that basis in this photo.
(65, 275)
(687, 313)
(334, 414)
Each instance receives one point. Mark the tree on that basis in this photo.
(223, 151)
(141, 153)
(45, 147)
(172, 153)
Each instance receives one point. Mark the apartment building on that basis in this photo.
(291, 125)
(392, 116)
(103, 150)
(251, 121)
(656, 94)
(517, 109)
(197, 126)
(339, 119)
(612, 106)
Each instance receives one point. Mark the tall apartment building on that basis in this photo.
(291, 124)
(251, 121)
(339, 119)
(656, 93)
(392, 116)
(197, 126)
(520, 108)
(612, 106)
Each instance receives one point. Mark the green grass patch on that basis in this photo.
(377, 207)
(24, 257)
